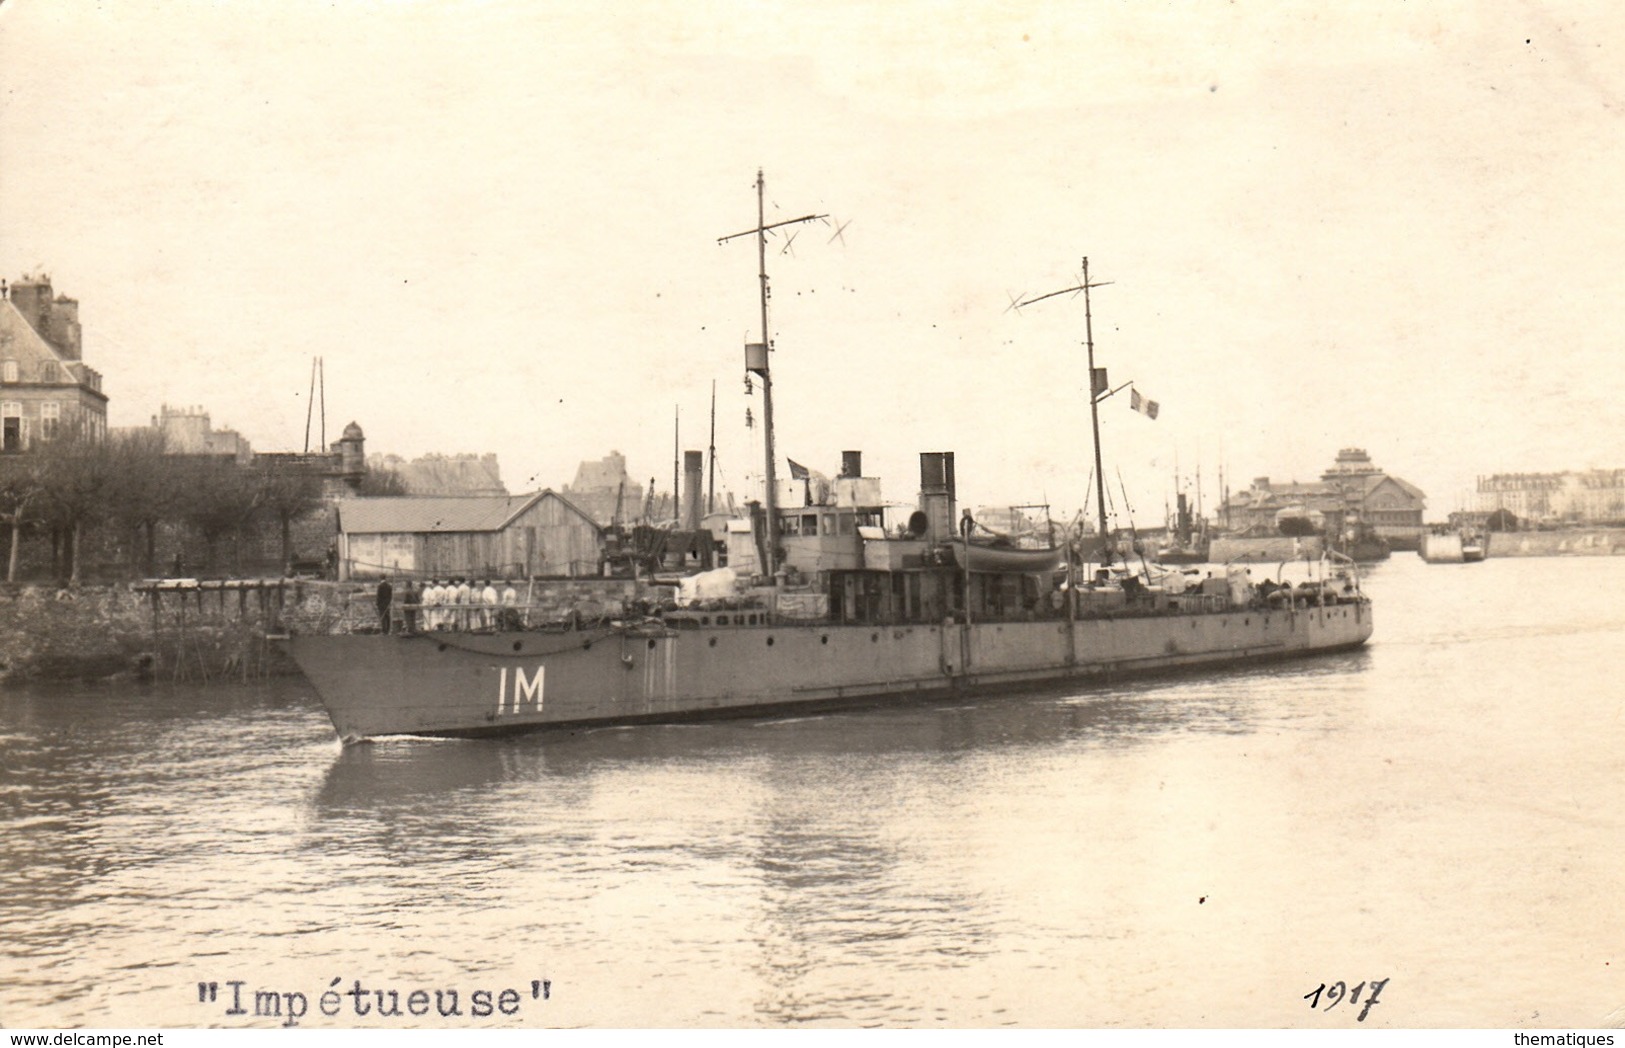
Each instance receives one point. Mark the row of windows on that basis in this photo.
(18, 431)
(49, 410)
(829, 523)
(48, 371)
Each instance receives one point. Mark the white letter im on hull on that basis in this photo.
(524, 690)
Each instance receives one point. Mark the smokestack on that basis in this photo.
(937, 494)
(851, 463)
(693, 468)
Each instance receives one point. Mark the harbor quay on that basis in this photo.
(202, 631)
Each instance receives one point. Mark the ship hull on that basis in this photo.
(453, 684)
(1450, 548)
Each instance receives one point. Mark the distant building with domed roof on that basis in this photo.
(1352, 490)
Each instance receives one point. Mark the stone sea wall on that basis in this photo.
(1263, 550)
(99, 632)
(199, 635)
(1587, 542)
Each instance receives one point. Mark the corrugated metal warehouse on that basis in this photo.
(503, 536)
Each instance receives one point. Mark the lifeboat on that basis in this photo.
(1008, 560)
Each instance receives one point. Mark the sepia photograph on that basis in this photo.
(1007, 515)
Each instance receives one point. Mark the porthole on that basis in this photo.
(651, 644)
(770, 642)
(518, 645)
(874, 638)
(713, 642)
(824, 639)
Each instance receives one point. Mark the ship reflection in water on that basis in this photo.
(1201, 850)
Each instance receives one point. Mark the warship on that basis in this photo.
(823, 605)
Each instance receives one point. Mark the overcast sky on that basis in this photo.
(1395, 226)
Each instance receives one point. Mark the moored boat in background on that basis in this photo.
(1452, 546)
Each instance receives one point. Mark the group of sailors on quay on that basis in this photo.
(448, 604)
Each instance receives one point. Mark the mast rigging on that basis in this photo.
(1098, 390)
(756, 360)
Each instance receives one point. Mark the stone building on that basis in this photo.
(602, 485)
(437, 474)
(189, 432)
(1593, 496)
(46, 389)
(1352, 490)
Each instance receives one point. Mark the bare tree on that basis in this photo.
(20, 491)
(142, 492)
(216, 498)
(75, 472)
(284, 495)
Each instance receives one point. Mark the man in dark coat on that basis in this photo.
(386, 593)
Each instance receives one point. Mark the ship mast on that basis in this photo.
(711, 456)
(1096, 388)
(756, 360)
(1098, 391)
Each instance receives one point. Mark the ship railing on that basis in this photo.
(360, 614)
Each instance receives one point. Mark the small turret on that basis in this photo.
(352, 454)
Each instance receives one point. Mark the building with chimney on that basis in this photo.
(46, 389)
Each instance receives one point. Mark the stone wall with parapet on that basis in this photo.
(1263, 550)
(211, 633)
(1586, 542)
(100, 632)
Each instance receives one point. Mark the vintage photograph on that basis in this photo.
(1003, 515)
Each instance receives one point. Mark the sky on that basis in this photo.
(1394, 226)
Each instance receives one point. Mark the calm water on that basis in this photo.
(1440, 810)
